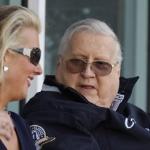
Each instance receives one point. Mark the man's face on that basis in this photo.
(90, 47)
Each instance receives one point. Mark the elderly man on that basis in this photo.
(84, 107)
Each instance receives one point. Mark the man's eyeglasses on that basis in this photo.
(99, 67)
(34, 54)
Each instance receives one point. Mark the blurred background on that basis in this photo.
(130, 20)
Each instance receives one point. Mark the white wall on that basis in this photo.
(38, 6)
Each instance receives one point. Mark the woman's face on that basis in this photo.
(21, 71)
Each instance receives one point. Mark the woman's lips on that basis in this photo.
(29, 80)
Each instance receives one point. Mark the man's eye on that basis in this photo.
(102, 65)
(76, 61)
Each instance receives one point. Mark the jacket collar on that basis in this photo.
(119, 103)
(125, 89)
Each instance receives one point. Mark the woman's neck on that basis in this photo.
(3, 99)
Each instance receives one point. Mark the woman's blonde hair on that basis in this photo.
(12, 20)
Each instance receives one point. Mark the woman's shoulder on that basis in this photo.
(2, 146)
(23, 132)
(17, 119)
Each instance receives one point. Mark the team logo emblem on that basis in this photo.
(129, 123)
(39, 136)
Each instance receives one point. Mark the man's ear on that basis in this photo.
(59, 60)
(58, 68)
(119, 70)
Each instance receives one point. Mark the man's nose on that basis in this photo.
(87, 71)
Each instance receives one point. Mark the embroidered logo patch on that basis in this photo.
(129, 123)
(118, 99)
(39, 136)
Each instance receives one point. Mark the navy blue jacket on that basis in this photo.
(62, 119)
(23, 132)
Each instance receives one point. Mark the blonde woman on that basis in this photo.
(19, 64)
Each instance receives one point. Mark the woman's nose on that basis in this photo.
(38, 70)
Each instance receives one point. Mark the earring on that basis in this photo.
(5, 68)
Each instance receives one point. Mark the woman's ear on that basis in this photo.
(7, 60)
(6, 57)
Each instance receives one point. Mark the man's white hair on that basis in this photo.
(92, 25)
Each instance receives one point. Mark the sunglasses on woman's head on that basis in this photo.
(34, 54)
(99, 67)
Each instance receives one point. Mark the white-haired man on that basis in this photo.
(84, 107)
